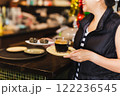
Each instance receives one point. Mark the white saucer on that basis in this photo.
(38, 43)
(53, 51)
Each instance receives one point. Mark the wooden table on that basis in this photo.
(48, 66)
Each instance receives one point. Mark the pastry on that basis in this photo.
(45, 41)
(33, 40)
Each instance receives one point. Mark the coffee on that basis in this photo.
(61, 45)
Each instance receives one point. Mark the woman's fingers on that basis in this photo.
(80, 55)
(66, 56)
(72, 54)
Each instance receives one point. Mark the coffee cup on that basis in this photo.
(61, 44)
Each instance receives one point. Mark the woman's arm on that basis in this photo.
(110, 64)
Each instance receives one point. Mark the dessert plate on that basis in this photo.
(38, 43)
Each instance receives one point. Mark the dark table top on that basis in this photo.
(47, 65)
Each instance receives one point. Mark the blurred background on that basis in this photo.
(30, 16)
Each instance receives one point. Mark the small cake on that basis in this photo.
(45, 41)
(33, 40)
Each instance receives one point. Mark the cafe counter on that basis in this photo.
(44, 67)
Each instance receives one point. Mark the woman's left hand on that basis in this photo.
(80, 55)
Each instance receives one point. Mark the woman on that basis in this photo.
(97, 42)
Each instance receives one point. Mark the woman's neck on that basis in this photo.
(98, 13)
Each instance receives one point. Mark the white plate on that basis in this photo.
(38, 43)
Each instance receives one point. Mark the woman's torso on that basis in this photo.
(101, 41)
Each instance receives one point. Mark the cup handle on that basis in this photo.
(69, 43)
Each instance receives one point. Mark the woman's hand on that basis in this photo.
(80, 55)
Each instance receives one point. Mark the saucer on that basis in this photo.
(53, 51)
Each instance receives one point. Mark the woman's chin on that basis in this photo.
(84, 10)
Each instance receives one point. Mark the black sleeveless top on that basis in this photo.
(100, 41)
